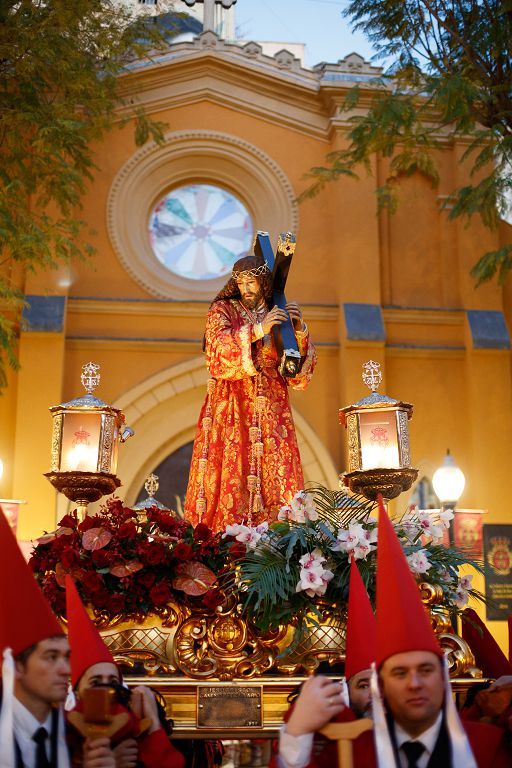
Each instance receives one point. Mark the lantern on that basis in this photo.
(379, 459)
(85, 439)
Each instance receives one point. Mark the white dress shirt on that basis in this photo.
(25, 726)
(428, 738)
(295, 751)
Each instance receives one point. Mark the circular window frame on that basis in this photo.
(192, 157)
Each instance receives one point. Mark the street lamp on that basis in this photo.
(449, 482)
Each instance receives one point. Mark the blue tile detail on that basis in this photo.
(44, 313)
(488, 329)
(364, 322)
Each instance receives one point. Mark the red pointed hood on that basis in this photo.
(488, 655)
(87, 646)
(25, 616)
(360, 647)
(402, 620)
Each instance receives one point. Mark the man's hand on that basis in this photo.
(143, 704)
(319, 701)
(126, 754)
(276, 316)
(97, 754)
(295, 313)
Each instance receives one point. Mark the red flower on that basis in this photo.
(116, 603)
(151, 553)
(68, 521)
(212, 599)
(90, 521)
(92, 583)
(202, 532)
(183, 551)
(160, 594)
(237, 550)
(146, 579)
(69, 557)
(101, 558)
(127, 531)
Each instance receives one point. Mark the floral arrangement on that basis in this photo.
(124, 566)
(306, 554)
(288, 571)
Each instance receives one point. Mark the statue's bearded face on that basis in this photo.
(250, 290)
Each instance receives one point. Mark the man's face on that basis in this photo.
(102, 673)
(43, 677)
(360, 693)
(250, 290)
(413, 687)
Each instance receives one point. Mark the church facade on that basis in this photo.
(243, 129)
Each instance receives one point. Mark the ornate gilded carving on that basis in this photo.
(461, 662)
(403, 440)
(108, 431)
(354, 448)
(83, 486)
(56, 441)
(222, 647)
(388, 482)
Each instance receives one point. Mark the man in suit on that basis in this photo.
(35, 672)
(416, 724)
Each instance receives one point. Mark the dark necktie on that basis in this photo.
(40, 737)
(413, 750)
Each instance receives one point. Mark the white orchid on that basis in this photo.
(465, 582)
(301, 509)
(356, 540)
(419, 562)
(460, 597)
(314, 578)
(245, 534)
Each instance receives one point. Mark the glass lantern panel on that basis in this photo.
(379, 440)
(80, 442)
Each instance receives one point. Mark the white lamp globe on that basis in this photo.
(448, 481)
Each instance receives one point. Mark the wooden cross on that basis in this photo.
(284, 335)
(209, 11)
(345, 734)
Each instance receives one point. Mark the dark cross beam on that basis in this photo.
(279, 265)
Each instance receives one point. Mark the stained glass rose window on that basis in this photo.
(198, 231)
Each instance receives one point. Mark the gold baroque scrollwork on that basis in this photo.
(461, 662)
(56, 441)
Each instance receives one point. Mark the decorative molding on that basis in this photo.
(187, 156)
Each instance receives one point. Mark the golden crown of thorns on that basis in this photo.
(254, 272)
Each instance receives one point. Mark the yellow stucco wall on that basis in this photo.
(414, 266)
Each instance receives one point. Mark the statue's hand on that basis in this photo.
(295, 313)
(276, 316)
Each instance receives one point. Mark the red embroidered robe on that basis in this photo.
(242, 369)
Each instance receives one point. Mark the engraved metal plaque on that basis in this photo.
(229, 706)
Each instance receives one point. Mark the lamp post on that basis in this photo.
(449, 482)
(85, 440)
(379, 459)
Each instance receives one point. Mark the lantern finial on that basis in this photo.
(372, 375)
(151, 485)
(90, 377)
